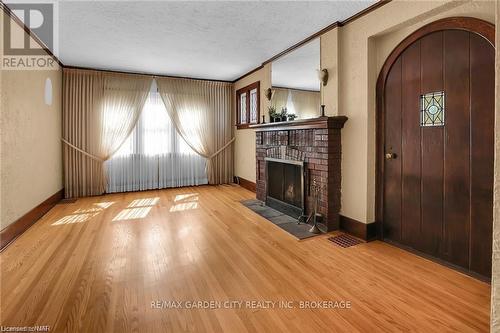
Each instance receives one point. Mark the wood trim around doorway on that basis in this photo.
(474, 25)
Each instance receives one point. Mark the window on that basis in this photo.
(432, 109)
(247, 106)
(154, 155)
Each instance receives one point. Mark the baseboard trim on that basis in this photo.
(439, 261)
(364, 231)
(247, 184)
(15, 229)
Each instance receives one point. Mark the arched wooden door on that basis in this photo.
(436, 143)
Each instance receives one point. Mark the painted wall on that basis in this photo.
(329, 60)
(244, 146)
(30, 138)
(364, 45)
(353, 55)
(495, 283)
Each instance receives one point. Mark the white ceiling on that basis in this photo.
(216, 40)
(298, 69)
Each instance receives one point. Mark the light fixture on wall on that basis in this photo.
(323, 76)
(269, 94)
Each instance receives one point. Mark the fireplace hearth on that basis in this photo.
(290, 155)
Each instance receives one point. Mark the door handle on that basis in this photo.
(390, 156)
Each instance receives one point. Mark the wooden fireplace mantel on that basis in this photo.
(336, 122)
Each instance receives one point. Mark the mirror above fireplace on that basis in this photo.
(295, 83)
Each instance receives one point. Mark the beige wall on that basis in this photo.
(353, 56)
(30, 144)
(329, 60)
(364, 45)
(495, 283)
(244, 146)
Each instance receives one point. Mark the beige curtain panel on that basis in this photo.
(201, 113)
(100, 110)
(279, 98)
(306, 103)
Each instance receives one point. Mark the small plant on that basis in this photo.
(272, 113)
(283, 112)
(291, 117)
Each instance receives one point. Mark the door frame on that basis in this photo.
(483, 28)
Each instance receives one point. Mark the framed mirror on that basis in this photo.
(295, 84)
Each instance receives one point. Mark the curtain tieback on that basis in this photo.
(220, 150)
(82, 151)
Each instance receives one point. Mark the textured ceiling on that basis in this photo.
(216, 40)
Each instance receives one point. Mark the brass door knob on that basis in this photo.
(390, 156)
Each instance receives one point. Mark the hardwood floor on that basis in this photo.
(96, 265)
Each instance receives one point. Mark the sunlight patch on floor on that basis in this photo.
(83, 214)
(132, 214)
(104, 205)
(184, 206)
(75, 218)
(144, 202)
(185, 202)
(186, 197)
(137, 209)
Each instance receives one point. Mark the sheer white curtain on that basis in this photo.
(154, 155)
(201, 113)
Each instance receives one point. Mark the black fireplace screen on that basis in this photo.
(285, 186)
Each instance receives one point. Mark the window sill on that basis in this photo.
(244, 126)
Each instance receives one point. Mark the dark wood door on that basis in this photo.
(439, 148)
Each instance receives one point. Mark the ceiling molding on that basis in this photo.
(248, 73)
(332, 26)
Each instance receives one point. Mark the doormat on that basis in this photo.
(344, 240)
(285, 222)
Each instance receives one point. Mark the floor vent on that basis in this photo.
(344, 240)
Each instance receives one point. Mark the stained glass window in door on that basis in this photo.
(432, 109)
(243, 108)
(253, 106)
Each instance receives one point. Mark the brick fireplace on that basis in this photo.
(315, 142)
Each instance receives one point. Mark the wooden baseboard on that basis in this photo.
(15, 229)
(249, 185)
(365, 231)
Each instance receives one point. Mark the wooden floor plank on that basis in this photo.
(97, 264)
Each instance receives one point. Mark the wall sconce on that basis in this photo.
(323, 76)
(269, 94)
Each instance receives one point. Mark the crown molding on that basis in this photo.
(332, 26)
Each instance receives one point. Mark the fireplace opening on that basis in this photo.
(285, 186)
